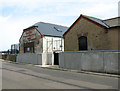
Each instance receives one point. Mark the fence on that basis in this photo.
(30, 58)
(97, 61)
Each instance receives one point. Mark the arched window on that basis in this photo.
(82, 43)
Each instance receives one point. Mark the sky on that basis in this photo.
(16, 15)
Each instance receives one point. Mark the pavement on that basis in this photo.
(56, 67)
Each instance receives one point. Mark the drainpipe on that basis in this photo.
(61, 44)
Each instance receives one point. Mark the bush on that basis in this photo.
(10, 57)
(4, 56)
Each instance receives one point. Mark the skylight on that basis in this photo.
(59, 30)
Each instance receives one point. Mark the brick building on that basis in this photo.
(89, 33)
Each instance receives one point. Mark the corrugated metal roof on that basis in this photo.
(49, 29)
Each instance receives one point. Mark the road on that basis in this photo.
(24, 76)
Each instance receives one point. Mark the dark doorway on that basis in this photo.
(56, 58)
(82, 43)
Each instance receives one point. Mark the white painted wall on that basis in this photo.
(51, 44)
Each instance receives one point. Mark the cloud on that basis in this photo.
(4, 19)
(59, 7)
(16, 15)
(102, 10)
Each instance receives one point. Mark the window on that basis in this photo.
(28, 49)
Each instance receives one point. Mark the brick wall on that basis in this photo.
(97, 37)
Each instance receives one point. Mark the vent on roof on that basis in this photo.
(59, 30)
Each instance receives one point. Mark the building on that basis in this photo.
(43, 38)
(89, 33)
(14, 49)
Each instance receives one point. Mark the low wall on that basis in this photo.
(30, 58)
(11, 57)
(96, 61)
(4, 56)
(0, 55)
(47, 58)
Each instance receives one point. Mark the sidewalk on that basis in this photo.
(56, 67)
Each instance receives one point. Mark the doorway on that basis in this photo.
(56, 58)
(82, 43)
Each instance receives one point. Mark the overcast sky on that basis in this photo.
(16, 15)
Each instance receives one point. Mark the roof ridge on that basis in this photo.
(91, 17)
(51, 24)
(111, 18)
(96, 19)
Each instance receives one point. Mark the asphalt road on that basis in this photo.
(24, 76)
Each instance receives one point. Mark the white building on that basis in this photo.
(45, 39)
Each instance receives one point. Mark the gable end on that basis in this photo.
(81, 16)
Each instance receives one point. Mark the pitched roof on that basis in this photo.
(106, 23)
(48, 29)
(114, 22)
(99, 21)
